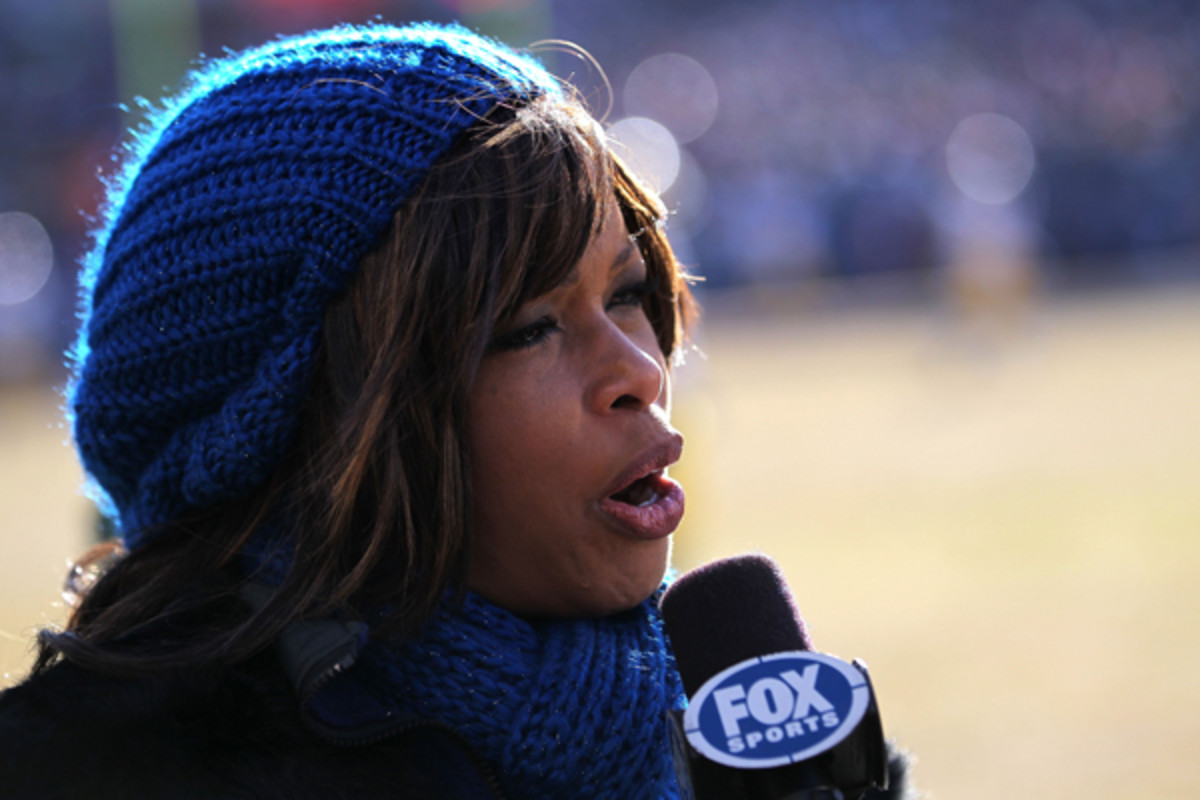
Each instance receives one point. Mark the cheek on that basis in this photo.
(507, 422)
(517, 438)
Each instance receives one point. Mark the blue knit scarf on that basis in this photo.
(561, 709)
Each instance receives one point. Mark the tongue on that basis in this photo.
(639, 493)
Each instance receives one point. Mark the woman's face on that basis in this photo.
(569, 439)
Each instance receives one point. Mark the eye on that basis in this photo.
(526, 335)
(634, 294)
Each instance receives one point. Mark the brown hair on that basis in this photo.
(374, 495)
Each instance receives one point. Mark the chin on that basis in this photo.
(634, 588)
(605, 589)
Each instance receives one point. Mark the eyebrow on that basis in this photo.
(618, 263)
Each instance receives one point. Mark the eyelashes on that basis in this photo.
(635, 293)
(632, 295)
(526, 335)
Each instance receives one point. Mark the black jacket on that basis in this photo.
(214, 732)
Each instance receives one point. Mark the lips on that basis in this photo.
(643, 500)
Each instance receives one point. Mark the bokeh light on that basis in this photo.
(677, 91)
(26, 257)
(990, 158)
(649, 148)
(687, 200)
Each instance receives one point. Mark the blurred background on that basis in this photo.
(950, 367)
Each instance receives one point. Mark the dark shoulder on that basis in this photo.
(74, 732)
(203, 732)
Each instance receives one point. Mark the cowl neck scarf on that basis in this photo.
(570, 708)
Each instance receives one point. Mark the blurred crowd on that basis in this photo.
(833, 149)
(983, 143)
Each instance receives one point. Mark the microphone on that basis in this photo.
(768, 718)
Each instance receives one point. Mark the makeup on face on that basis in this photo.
(570, 444)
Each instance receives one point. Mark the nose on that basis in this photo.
(628, 371)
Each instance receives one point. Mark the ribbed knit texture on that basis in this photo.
(563, 709)
(243, 209)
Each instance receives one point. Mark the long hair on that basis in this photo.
(373, 498)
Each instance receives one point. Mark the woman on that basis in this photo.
(374, 379)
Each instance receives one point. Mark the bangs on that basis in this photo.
(505, 218)
(556, 180)
(557, 192)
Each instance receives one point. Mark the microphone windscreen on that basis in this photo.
(729, 611)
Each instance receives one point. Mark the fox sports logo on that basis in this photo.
(777, 709)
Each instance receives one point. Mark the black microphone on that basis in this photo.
(768, 718)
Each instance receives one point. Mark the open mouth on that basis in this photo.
(649, 507)
(643, 501)
(642, 492)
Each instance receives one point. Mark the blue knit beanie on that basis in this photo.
(242, 210)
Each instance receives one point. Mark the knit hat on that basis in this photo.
(242, 210)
